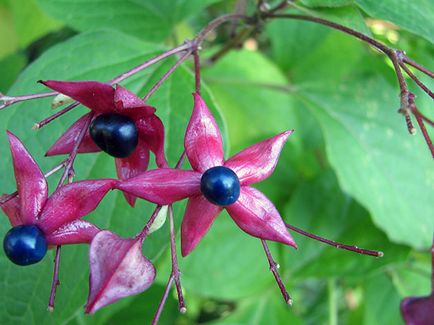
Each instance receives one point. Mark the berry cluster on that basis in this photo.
(126, 128)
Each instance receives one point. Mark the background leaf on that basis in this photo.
(415, 16)
(148, 20)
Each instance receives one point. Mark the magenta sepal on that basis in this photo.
(58, 216)
(31, 184)
(418, 310)
(203, 141)
(252, 212)
(117, 269)
(102, 98)
(73, 201)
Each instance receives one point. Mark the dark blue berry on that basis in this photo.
(220, 185)
(25, 245)
(115, 134)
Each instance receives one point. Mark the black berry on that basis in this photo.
(115, 134)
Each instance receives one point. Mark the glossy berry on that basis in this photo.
(25, 245)
(220, 185)
(115, 134)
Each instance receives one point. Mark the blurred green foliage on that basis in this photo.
(350, 172)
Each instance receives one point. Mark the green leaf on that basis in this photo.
(99, 56)
(416, 15)
(148, 20)
(381, 301)
(268, 309)
(10, 67)
(376, 161)
(326, 3)
(8, 38)
(30, 21)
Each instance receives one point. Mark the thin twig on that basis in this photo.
(417, 66)
(417, 80)
(167, 75)
(197, 71)
(55, 283)
(273, 268)
(163, 300)
(51, 118)
(184, 47)
(175, 267)
(335, 244)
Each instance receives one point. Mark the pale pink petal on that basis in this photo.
(198, 218)
(151, 131)
(163, 186)
(132, 166)
(31, 184)
(66, 142)
(257, 216)
(203, 141)
(127, 103)
(118, 269)
(75, 232)
(73, 201)
(257, 162)
(95, 95)
(12, 209)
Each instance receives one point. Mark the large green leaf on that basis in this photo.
(416, 15)
(96, 55)
(149, 20)
(376, 161)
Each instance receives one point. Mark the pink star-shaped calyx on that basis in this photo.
(248, 207)
(102, 99)
(117, 269)
(58, 216)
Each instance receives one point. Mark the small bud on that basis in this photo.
(160, 219)
(183, 310)
(60, 100)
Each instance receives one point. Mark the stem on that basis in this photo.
(148, 63)
(425, 134)
(162, 301)
(216, 23)
(148, 225)
(335, 244)
(273, 268)
(397, 57)
(417, 66)
(432, 266)
(197, 71)
(167, 75)
(56, 281)
(175, 268)
(51, 118)
(235, 42)
(68, 172)
(10, 100)
(417, 80)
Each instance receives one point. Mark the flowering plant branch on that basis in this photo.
(125, 127)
